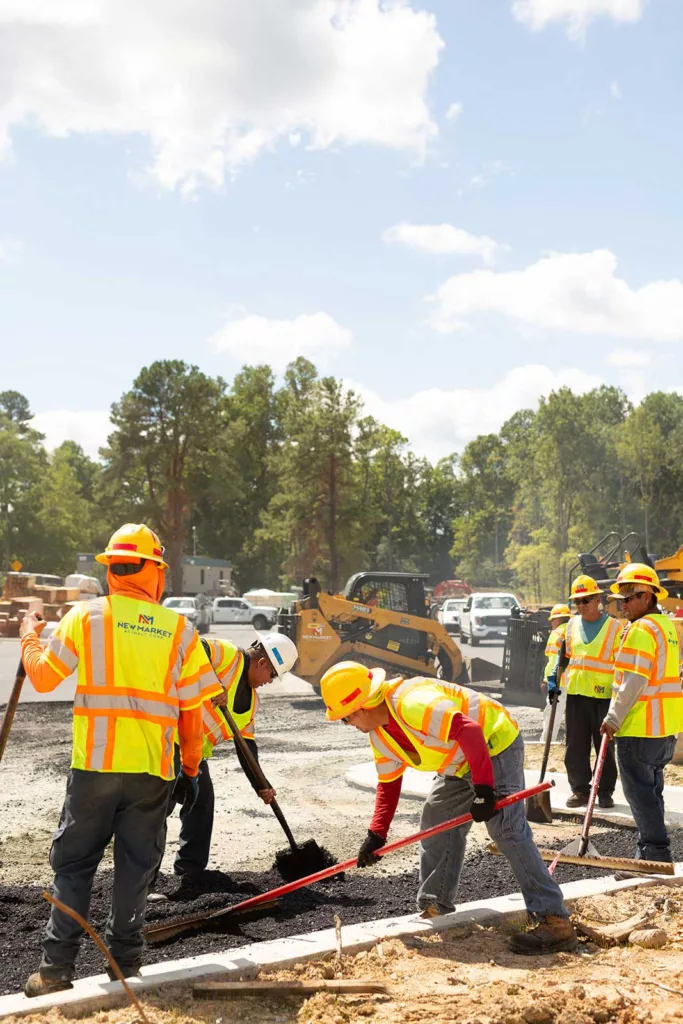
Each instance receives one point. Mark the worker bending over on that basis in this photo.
(241, 673)
(142, 678)
(475, 748)
(646, 711)
(591, 642)
(558, 619)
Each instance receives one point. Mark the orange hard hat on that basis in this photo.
(133, 541)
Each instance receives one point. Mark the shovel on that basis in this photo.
(582, 846)
(8, 717)
(538, 807)
(298, 861)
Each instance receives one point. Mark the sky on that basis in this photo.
(455, 205)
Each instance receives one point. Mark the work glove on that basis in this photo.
(553, 688)
(366, 854)
(484, 804)
(186, 790)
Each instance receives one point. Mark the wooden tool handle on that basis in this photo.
(8, 717)
(548, 739)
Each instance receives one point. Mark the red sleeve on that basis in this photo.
(468, 734)
(386, 802)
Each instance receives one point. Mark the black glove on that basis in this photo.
(484, 804)
(186, 790)
(366, 854)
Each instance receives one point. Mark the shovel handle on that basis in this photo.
(597, 775)
(548, 739)
(8, 717)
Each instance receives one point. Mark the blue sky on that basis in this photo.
(456, 205)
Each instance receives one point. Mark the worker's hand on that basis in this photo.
(484, 804)
(553, 689)
(366, 854)
(220, 700)
(607, 730)
(186, 790)
(32, 622)
(267, 795)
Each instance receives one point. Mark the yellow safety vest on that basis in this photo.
(228, 664)
(590, 671)
(424, 710)
(139, 665)
(552, 649)
(650, 649)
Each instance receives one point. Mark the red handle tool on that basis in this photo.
(597, 775)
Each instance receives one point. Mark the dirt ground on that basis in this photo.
(464, 976)
(673, 773)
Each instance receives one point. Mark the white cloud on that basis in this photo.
(615, 90)
(567, 292)
(454, 112)
(212, 84)
(439, 421)
(90, 429)
(626, 358)
(11, 251)
(444, 238)
(578, 14)
(256, 339)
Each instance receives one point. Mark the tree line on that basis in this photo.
(292, 479)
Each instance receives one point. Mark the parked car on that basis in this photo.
(240, 612)
(196, 610)
(485, 617)
(449, 613)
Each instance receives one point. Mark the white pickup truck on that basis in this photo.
(485, 617)
(238, 611)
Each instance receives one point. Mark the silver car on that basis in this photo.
(196, 610)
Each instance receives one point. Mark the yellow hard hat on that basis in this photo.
(133, 541)
(348, 687)
(638, 572)
(559, 611)
(584, 586)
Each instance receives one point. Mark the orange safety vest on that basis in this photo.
(590, 671)
(650, 648)
(139, 665)
(424, 710)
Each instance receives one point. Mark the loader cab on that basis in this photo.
(391, 591)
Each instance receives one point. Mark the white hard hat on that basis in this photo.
(281, 651)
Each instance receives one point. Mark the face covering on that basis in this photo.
(146, 585)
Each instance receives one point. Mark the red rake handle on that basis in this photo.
(597, 775)
(284, 890)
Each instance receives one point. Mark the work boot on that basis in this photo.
(605, 800)
(577, 800)
(551, 935)
(127, 972)
(37, 985)
(430, 911)
(156, 897)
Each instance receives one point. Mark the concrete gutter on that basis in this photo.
(98, 993)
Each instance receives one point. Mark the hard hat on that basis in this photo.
(584, 586)
(638, 572)
(348, 687)
(281, 651)
(559, 611)
(131, 542)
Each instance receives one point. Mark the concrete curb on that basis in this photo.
(98, 993)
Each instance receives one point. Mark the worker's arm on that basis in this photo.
(469, 735)
(48, 666)
(386, 802)
(190, 739)
(630, 690)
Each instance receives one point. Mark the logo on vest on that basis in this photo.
(145, 627)
(146, 620)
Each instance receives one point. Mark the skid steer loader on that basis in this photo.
(381, 620)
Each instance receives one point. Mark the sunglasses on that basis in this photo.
(639, 593)
(585, 600)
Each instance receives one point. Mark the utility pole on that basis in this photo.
(194, 541)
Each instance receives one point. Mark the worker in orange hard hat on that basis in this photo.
(560, 614)
(590, 644)
(142, 679)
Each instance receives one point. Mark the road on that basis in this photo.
(240, 635)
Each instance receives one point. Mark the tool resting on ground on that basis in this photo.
(8, 717)
(167, 929)
(300, 860)
(538, 808)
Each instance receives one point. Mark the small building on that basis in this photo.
(201, 574)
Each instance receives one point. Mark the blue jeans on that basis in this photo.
(442, 856)
(641, 765)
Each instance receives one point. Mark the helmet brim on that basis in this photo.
(106, 556)
(659, 592)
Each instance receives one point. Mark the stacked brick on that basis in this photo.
(21, 595)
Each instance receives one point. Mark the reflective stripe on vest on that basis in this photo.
(128, 698)
(659, 709)
(424, 709)
(591, 666)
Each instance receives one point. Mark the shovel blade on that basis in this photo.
(573, 849)
(305, 860)
(538, 809)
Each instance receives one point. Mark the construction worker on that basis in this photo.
(475, 748)
(241, 673)
(558, 619)
(646, 711)
(591, 642)
(142, 678)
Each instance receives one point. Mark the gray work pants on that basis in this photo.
(99, 805)
(442, 856)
